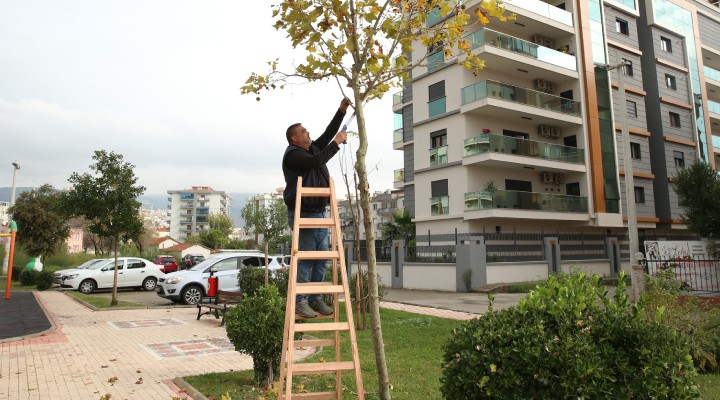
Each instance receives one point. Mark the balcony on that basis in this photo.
(202, 211)
(435, 60)
(490, 143)
(436, 107)
(186, 196)
(501, 100)
(542, 9)
(398, 139)
(186, 205)
(438, 155)
(714, 107)
(530, 53)
(440, 205)
(399, 175)
(525, 201)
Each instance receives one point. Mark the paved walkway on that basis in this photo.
(134, 354)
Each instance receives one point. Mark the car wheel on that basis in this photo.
(149, 284)
(191, 294)
(87, 286)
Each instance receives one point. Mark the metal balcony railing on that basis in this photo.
(490, 143)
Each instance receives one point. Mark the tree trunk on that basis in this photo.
(267, 266)
(378, 342)
(114, 301)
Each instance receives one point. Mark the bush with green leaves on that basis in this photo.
(255, 326)
(251, 279)
(28, 277)
(697, 320)
(16, 271)
(44, 280)
(568, 339)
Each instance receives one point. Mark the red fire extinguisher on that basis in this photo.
(212, 285)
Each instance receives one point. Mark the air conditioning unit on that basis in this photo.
(559, 179)
(550, 87)
(546, 177)
(544, 130)
(541, 84)
(554, 132)
(537, 39)
(549, 43)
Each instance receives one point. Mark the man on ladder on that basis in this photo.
(307, 159)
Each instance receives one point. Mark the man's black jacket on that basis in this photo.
(311, 165)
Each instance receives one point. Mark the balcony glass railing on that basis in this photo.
(543, 9)
(438, 155)
(714, 107)
(398, 98)
(440, 205)
(435, 60)
(712, 74)
(186, 196)
(398, 136)
(520, 95)
(503, 41)
(489, 143)
(716, 142)
(186, 205)
(525, 201)
(399, 175)
(436, 107)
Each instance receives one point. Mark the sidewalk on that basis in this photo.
(135, 354)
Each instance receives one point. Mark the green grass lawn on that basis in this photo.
(413, 345)
(102, 301)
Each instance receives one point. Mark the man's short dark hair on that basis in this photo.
(290, 131)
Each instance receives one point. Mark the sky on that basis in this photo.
(158, 81)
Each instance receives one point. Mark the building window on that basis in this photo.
(628, 67)
(670, 82)
(675, 120)
(639, 195)
(679, 159)
(666, 44)
(436, 97)
(635, 151)
(631, 108)
(621, 26)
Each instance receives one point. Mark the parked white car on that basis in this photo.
(132, 272)
(62, 274)
(191, 285)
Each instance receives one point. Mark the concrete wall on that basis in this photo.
(516, 272)
(429, 276)
(599, 267)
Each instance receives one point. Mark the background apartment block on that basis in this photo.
(189, 209)
(382, 205)
(533, 142)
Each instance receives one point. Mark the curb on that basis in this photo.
(189, 389)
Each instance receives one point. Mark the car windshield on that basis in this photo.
(89, 263)
(203, 264)
(102, 264)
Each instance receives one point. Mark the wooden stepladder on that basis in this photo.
(331, 323)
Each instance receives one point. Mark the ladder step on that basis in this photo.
(322, 327)
(313, 192)
(322, 368)
(318, 255)
(314, 288)
(316, 223)
(314, 343)
(313, 396)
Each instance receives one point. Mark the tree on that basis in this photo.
(217, 236)
(107, 198)
(698, 190)
(43, 225)
(269, 220)
(365, 46)
(401, 227)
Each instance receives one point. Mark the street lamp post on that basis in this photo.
(627, 161)
(6, 253)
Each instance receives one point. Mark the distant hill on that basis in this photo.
(156, 201)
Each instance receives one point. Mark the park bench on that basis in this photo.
(219, 304)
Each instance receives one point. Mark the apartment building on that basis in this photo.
(533, 142)
(382, 205)
(189, 209)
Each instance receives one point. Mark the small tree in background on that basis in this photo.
(217, 236)
(698, 190)
(269, 221)
(365, 46)
(43, 224)
(107, 198)
(401, 227)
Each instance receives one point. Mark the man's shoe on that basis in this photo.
(303, 309)
(321, 307)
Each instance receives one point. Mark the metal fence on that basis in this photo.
(430, 254)
(698, 276)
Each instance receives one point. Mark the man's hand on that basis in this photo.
(341, 137)
(344, 104)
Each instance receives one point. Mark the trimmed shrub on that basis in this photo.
(697, 320)
(568, 339)
(251, 279)
(255, 326)
(44, 280)
(28, 277)
(16, 271)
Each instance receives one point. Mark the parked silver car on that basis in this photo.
(191, 285)
(62, 274)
